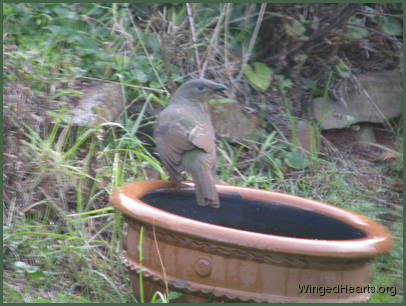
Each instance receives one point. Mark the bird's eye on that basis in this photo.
(200, 87)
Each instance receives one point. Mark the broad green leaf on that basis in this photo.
(295, 160)
(140, 75)
(176, 15)
(355, 32)
(174, 295)
(283, 81)
(342, 69)
(221, 101)
(259, 75)
(391, 26)
(64, 12)
(309, 84)
(295, 30)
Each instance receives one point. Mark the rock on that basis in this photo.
(385, 92)
(99, 103)
(231, 122)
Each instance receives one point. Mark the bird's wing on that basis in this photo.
(177, 133)
(172, 141)
(202, 137)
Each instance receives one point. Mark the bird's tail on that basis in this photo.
(206, 192)
(205, 183)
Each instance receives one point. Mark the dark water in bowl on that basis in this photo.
(254, 216)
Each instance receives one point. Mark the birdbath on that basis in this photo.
(259, 246)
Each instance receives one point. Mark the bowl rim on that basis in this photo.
(377, 241)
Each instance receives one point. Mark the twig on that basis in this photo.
(346, 12)
(254, 36)
(118, 27)
(11, 211)
(366, 13)
(193, 30)
(160, 261)
(226, 157)
(227, 32)
(370, 100)
(212, 40)
(128, 85)
(137, 32)
(387, 36)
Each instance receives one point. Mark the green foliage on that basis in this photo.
(392, 26)
(342, 69)
(64, 246)
(63, 42)
(283, 82)
(158, 297)
(177, 14)
(271, 161)
(358, 31)
(259, 75)
(51, 260)
(295, 29)
(295, 160)
(77, 239)
(388, 24)
(393, 278)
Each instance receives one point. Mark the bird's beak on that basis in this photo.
(219, 87)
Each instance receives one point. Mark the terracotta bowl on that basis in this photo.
(259, 246)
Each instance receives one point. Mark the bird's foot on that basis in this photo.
(210, 203)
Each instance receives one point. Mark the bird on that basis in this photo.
(185, 138)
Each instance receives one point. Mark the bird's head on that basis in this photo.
(198, 90)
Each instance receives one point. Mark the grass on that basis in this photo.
(61, 236)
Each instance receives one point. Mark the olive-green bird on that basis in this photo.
(185, 138)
